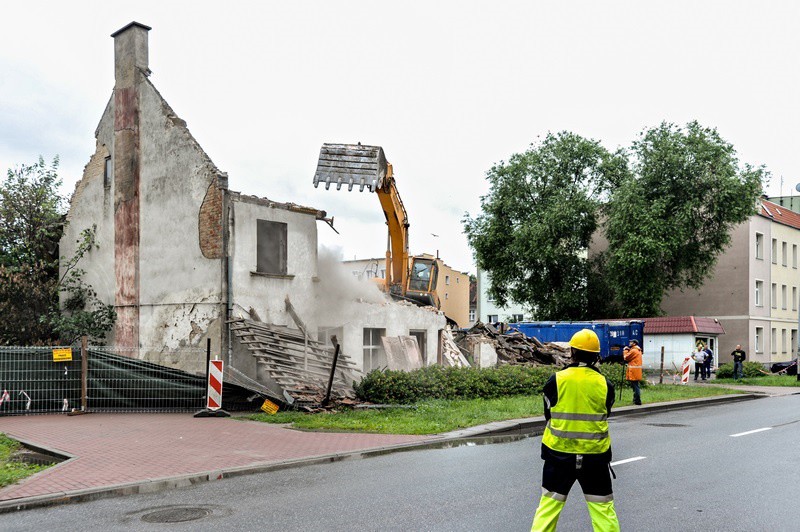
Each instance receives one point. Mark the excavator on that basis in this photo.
(356, 165)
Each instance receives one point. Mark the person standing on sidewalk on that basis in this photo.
(738, 355)
(699, 358)
(709, 361)
(576, 444)
(633, 357)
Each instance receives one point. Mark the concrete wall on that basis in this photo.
(267, 293)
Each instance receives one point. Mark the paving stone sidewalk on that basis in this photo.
(116, 449)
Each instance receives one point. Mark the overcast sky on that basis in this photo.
(447, 88)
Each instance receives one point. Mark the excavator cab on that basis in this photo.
(422, 281)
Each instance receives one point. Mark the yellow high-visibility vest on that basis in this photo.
(579, 420)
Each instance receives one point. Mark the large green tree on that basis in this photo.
(537, 220)
(31, 224)
(669, 222)
(665, 207)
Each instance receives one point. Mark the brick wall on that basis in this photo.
(210, 223)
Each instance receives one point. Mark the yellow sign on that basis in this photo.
(62, 355)
(269, 407)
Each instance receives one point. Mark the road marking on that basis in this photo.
(634, 459)
(750, 432)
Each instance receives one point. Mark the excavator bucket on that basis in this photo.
(351, 165)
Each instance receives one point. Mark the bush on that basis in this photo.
(749, 369)
(437, 382)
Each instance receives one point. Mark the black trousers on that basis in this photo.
(558, 476)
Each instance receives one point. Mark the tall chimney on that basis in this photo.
(130, 66)
(130, 53)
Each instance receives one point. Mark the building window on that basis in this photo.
(107, 172)
(516, 318)
(759, 246)
(759, 290)
(783, 340)
(794, 256)
(493, 318)
(271, 247)
(759, 337)
(783, 296)
(773, 340)
(374, 355)
(383, 274)
(446, 295)
(472, 314)
(784, 253)
(447, 279)
(774, 296)
(421, 336)
(794, 342)
(794, 298)
(457, 279)
(774, 251)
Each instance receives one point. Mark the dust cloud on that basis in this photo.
(338, 289)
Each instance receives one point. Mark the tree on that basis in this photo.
(666, 215)
(537, 221)
(31, 225)
(82, 313)
(31, 219)
(669, 222)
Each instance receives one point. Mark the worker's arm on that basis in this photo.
(609, 396)
(550, 395)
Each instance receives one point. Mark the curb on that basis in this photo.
(496, 432)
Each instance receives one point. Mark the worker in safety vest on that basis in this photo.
(576, 444)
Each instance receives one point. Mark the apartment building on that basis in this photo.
(753, 290)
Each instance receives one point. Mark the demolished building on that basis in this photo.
(182, 257)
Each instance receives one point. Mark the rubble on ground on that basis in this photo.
(514, 347)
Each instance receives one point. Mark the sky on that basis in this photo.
(447, 88)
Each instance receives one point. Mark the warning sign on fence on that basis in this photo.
(62, 355)
(269, 407)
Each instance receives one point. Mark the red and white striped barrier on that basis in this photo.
(214, 401)
(685, 371)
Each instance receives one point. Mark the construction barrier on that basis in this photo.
(685, 371)
(214, 401)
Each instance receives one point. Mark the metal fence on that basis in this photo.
(96, 378)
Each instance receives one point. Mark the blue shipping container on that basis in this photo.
(613, 335)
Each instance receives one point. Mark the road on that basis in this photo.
(730, 467)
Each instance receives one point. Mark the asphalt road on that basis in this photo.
(731, 467)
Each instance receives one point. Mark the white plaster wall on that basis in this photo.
(266, 294)
(398, 319)
(180, 289)
(93, 204)
(676, 348)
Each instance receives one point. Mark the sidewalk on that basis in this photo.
(118, 454)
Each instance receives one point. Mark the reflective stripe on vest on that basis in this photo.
(579, 420)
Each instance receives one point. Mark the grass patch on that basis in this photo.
(440, 415)
(766, 380)
(12, 471)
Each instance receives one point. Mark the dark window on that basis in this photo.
(271, 247)
(107, 172)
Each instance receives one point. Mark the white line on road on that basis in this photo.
(750, 432)
(634, 459)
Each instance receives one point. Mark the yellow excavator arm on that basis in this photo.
(355, 165)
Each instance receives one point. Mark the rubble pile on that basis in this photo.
(514, 347)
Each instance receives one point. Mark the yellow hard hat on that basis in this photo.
(585, 340)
